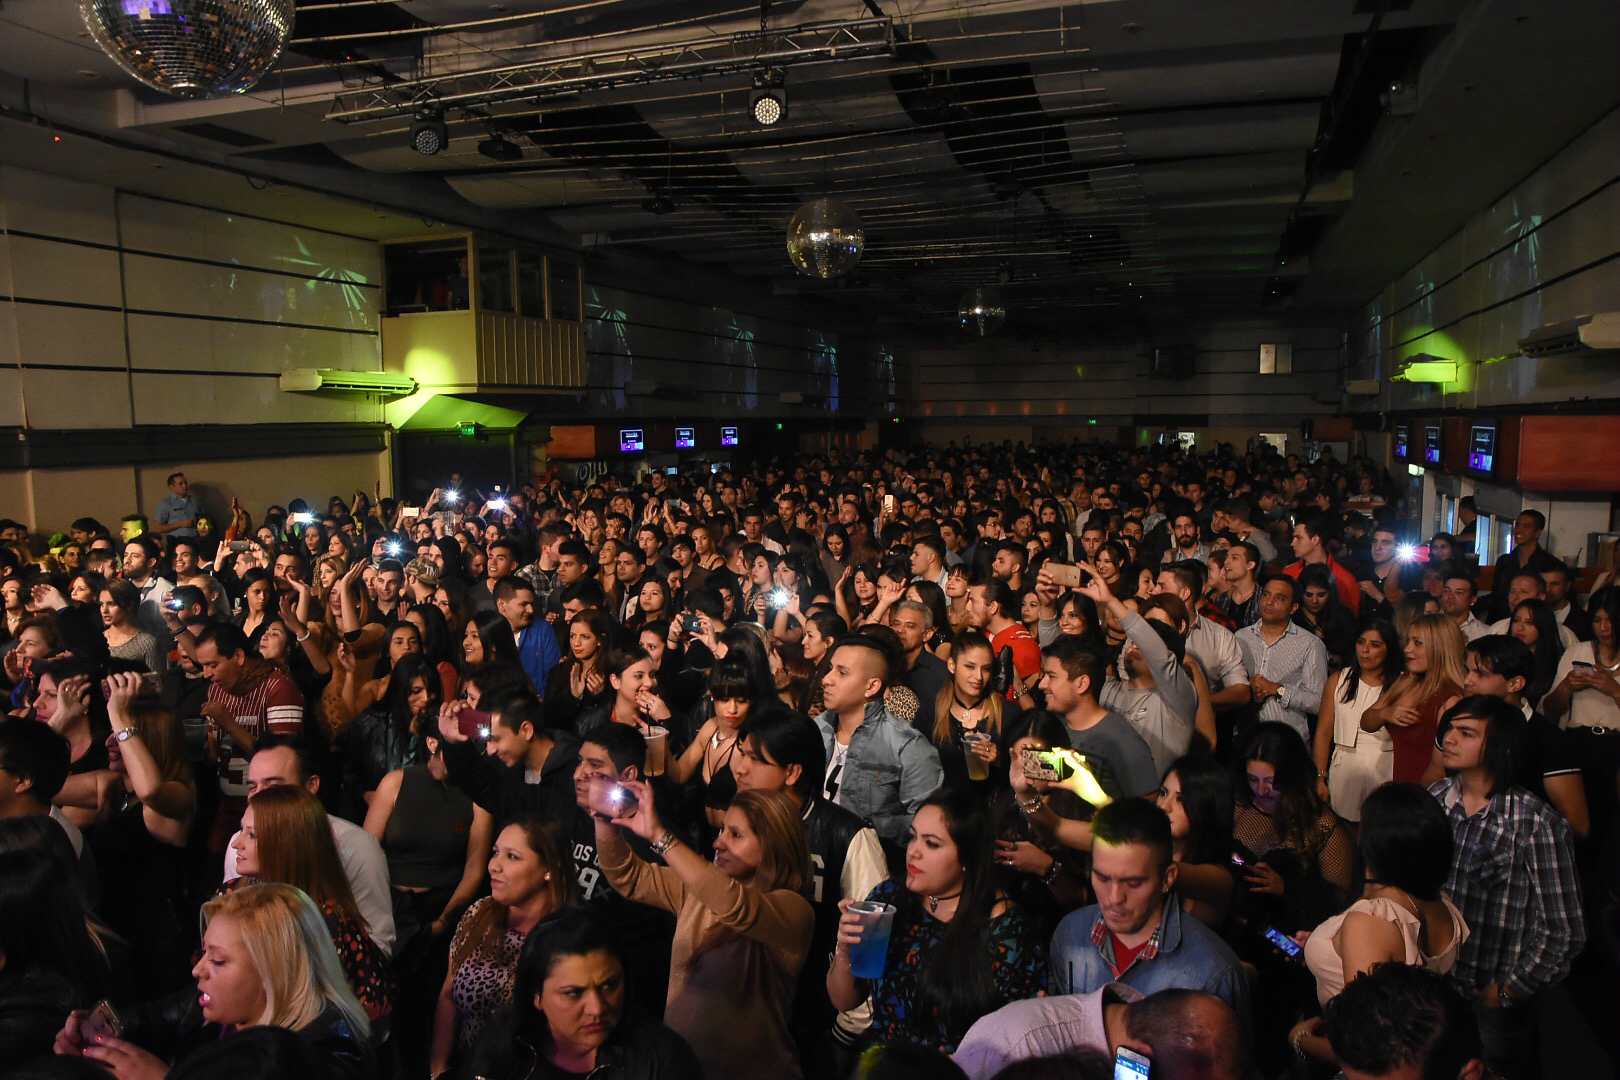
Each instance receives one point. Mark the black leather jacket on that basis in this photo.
(636, 1051)
(173, 1028)
(372, 747)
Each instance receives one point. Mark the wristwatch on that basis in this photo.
(1504, 996)
(124, 734)
(663, 843)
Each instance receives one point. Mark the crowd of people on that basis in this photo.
(982, 761)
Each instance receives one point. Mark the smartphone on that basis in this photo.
(410, 512)
(1066, 575)
(714, 469)
(694, 624)
(103, 1022)
(174, 605)
(888, 506)
(1285, 944)
(474, 723)
(608, 796)
(498, 505)
(1046, 765)
(1587, 664)
(1131, 1064)
(673, 470)
(778, 598)
(240, 545)
(674, 505)
(302, 519)
(1238, 859)
(150, 685)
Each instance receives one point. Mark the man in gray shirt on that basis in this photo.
(1118, 755)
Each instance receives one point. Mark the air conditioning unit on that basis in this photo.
(1583, 334)
(1362, 387)
(336, 380)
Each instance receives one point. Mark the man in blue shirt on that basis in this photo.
(177, 514)
(1136, 933)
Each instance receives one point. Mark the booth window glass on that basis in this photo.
(495, 292)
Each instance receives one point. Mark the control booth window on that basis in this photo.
(430, 275)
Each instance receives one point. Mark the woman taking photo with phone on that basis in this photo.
(267, 959)
(742, 924)
(567, 1016)
(959, 947)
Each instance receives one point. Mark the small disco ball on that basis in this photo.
(191, 48)
(981, 312)
(825, 238)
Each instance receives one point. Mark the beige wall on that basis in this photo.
(48, 499)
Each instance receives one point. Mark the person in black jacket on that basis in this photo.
(779, 749)
(568, 1016)
(529, 767)
(267, 959)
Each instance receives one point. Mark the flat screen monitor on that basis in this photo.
(1403, 438)
(1431, 444)
(685, 438)
(632, 440)
(1482, 448)
(728, 436)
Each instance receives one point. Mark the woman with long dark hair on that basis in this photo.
(579, 682)
(488, 640)
(1534, 623)
(1298, 854)
(960, 947)
(389, 735)
(1321, 614)
(1351, 762)
(568, 1018)
(1034, 870)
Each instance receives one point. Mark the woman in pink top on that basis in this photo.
(1402, 916)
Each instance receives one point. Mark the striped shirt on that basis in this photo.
(1513, 878)
(266, 702)
(1298, 661)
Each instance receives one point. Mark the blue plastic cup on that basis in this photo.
(867, 959)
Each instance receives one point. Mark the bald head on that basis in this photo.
(1192, 1035)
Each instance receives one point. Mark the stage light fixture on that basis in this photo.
(429, 134)
(768, 103)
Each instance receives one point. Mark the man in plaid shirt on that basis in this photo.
(1513, 877)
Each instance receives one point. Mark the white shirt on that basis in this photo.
(367, 870)
(1472, 629)
(1501, 626)
(75, 837)
(1587, 708)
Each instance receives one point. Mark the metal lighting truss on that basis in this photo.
(744, 51)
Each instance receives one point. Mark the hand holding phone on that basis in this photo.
(1284, 944)
(474, 723)
(102, 1023)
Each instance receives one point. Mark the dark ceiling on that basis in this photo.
(1115, 155)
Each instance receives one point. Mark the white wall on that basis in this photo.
(120, 310)
(1535, 256)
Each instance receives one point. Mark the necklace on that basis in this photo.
(935, 901)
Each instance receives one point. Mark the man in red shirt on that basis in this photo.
(1310, 548)
(248, 698)
(990, 607)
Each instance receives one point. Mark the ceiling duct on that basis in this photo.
(1582, 334)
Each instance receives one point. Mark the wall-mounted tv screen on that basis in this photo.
(1431, 444)
(728, 436)
(632, 440)
(1403, 439)
(1482, 448)
(685, 438)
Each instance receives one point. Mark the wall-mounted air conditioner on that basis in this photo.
(335, 380)
(1582, 334)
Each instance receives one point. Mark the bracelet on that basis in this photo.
(1050, 877)
(303, 639)
(1298, 1044)
(663, 843)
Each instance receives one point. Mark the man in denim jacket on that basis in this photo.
(1137, 933)
(877, 767)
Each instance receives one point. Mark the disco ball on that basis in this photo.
(981, 312)
(191, 48)
(825, 238)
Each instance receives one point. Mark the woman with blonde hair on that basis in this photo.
(267, 959)
(1411, 707)
(531, 881)
(286, 837)
(742, 923)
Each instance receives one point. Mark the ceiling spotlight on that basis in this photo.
(769, 100)
(429, 134)
(498, 148)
